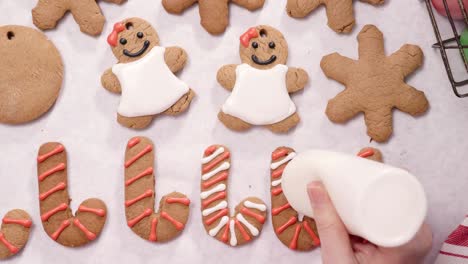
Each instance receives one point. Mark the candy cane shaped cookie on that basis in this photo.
(295, 231)
(56, 215)
(14, 233)
(173, 212)
(249, 215)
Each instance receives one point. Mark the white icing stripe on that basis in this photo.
(213, 232)
(253, 230)
(260, 207)
(276, 183)
(213, 155)
(233, 240)
(226, 165)
(217, 188)
(290, 156)
(213, 209)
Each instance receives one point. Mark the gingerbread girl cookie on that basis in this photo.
(214, 14)
(261, 84)
(340, 13)
(249, 215)
(14, 233)
(174, 208)
(145, 75)
(86, 13)
(375, 84)
(57, 218)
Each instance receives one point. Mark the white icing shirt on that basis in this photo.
(260, 97)
(148, 85)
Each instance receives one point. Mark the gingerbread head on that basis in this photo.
(132, 39)
(263, 47)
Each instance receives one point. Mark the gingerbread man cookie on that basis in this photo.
(31, 74)
(14, 233)
(86, 13)
(214, 14)
(340, 13)
(57, 218)
(144, 75)
(375, 84)
(174, 208)
(249, 215)
(261, 84)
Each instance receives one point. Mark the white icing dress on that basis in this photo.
(148, 85)
(260, 97)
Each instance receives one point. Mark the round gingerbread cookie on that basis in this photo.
(31, 74)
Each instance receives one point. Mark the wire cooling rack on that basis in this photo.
(449, 44)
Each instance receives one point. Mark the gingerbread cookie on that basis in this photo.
(86, 13)
(375, 84)
(174, 208)
(14, 233)
(32, 74)
(371, 153)
(57, 218)
(295, 231)
(340, 13)
(250, 214)
(144, 75)
(261, 84)
(214, 14)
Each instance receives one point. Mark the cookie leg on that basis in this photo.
(139, 122)
(374, 2)
(285, 125)
(88, 16)
(249, 4)
(181, 105)
(14, 233)
(215, 22)
(46, 14)
(232, 122)
(177, 6)
(379, 124)
(301, 8)
(340, 15)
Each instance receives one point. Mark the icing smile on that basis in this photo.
(265, 62)
(146, 45)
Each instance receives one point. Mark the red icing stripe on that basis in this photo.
(90, 235)
(220, 214)
(144, 195)
(210, 150)
(220, 195)
(98, 212)
(8, 245)
(277, 173)
(147, 149)
(63, 225)
(137, 219)
(293, 244)
(366, 154)
(225, 235)
(278, 154)
(133, 142)
(216, 161)
(184, 201)
(277, 210)
(223, 176)
(311, 233)
(276, 191)
(289, 223)
(24, 222)
(58, 149)
(144, 173)
(178, 225)
(59, 187)
(57, 168)
(258, 217)
(153, 232)
(244, 233)
(47, 215)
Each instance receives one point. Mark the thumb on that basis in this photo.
(335, 243)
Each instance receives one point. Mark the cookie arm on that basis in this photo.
(46, 14)
(175, 58)
(177, 6)
(249, 4)
(110, 82)
(371, 43)
(343, 107)
(411, 101)
(408, 58)
(296, 79)
(301, 8)
(340, 15)
(227, 76)
(337, 67)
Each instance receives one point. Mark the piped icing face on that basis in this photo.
(263, 47)
(132, 39)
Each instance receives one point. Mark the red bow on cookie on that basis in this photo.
(247, 36)
(112, 38)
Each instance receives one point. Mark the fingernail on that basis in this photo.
(316, 193)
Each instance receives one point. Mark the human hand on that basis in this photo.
(338, 246)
